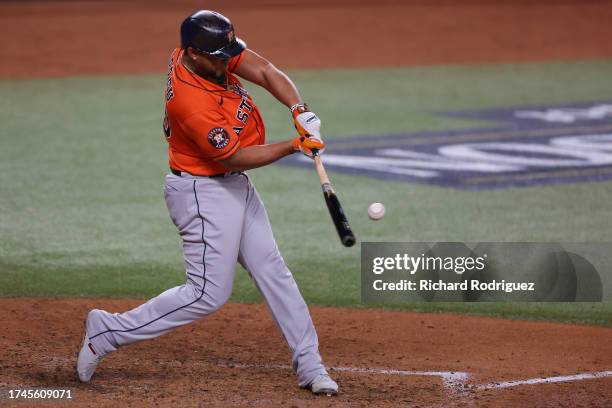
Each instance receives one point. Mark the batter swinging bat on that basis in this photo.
(333, 205)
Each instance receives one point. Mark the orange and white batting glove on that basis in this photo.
(307, 123)
(308, 145)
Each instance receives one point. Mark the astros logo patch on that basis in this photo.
(218, 137)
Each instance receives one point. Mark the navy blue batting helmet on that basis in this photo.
(211, 33)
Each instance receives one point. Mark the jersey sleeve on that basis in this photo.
(212, 135)
(235, 62)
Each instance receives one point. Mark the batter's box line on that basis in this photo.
(455, 380)
(544, 380)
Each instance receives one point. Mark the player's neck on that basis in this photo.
(191, 68)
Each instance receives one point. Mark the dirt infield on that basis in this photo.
(51, 38)
(237, 357)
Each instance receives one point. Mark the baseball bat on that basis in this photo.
(333, 205)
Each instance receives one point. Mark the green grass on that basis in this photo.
(82, 162)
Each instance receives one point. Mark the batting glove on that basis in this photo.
(306, 122)
(308, 145)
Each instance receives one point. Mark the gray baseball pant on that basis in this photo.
(221, 220)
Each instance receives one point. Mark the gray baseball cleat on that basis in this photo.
(323, 385)
(88, 358)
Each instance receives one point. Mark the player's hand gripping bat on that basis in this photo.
(333, 205)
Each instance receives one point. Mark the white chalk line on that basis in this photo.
(455, 380)
(451, 379)
(545, 380)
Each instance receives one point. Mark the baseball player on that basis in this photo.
(215, 132)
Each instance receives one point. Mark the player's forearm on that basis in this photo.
(251, 157)
(281, 86)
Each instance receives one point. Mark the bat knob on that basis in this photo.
(348, 241)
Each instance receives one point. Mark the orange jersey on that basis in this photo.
(205, 122)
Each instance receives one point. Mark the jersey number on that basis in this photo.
(167, 130)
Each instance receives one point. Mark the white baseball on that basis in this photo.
(376, 211)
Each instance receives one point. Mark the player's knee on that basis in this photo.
(277, 263)
(213, 300)
(271, 256)
(274, 267)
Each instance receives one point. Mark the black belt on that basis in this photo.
(180, 173)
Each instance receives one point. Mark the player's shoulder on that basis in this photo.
(185, 104)
(189, 99)
(236, 61)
